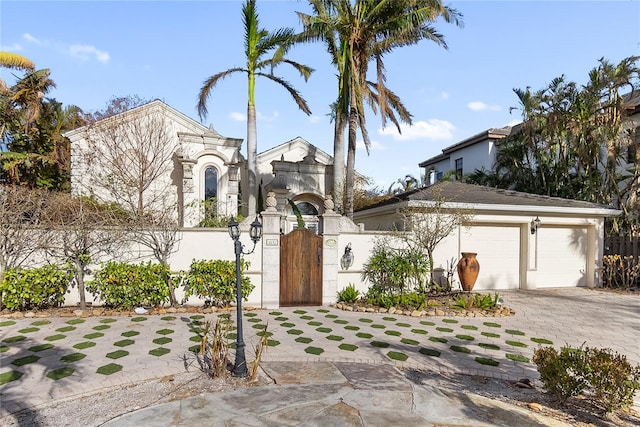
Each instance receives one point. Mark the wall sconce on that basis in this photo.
(535, 223)
(346, 260)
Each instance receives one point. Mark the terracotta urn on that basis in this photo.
(468, 269)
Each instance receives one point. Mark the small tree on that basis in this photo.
(129, 159)
(20, 235)
(83, 232)
(427, 225)
(159, 233)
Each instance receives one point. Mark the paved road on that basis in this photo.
(60, 357)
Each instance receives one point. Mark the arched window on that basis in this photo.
(210, 183)
(306, 208)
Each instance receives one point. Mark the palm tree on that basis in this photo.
(14, 60)
(361, 31)
(258, 43)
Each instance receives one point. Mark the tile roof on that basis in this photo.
(458, 192)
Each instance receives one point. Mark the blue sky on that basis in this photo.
(164, 50)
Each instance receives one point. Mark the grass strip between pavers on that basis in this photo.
(58, 374)
(460, 349)
(517, 357)
(430, 352)
(314, 350)
(160, 351)
(117, 354)
(73, 357)
(41, 347)
(41, 322)
(13, 339)
(396, 355)
(25, 360)
(7, 377)
(486, 361)
(83, 345)
(109, 369)
(348, 347)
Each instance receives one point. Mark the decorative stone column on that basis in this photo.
(330, 229)
(189, 198)
(270, 253)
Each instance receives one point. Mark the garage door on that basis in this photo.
(561, 258)
(498, 251)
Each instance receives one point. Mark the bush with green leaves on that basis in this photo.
(35, 288)
(612, 379)
(603, 376)
(481, 301)
(396, 271)
(349, 294)
(215, 281)
(562, 373)
(125, 286)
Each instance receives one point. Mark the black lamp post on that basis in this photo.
(255, 232)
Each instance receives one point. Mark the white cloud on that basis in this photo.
(444, 95)
(16, 47)
(272, 118)
(481, 106)
(315, 119)
(85, 52)
(238, 117)
(373, 145)
(28, 37)
(434, 129)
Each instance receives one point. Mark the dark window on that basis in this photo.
(631, 153)
(210, 183)
(306, 208)
(459, 168)
(632, 149)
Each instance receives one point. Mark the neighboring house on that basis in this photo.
(479, 151)
(564, 250)
(194, 164)
(464, 157)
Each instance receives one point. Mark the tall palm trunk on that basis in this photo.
(351, 158)
(251, 159)
(338, 162)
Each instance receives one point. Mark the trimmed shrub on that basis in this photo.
(35, 288)
(605, 377)
(123, 285)
(215, 281)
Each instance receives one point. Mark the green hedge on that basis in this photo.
(123, 285)
(215, 281)
(35, 288)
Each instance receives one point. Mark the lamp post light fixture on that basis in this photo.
(535, 223)
(255, 232)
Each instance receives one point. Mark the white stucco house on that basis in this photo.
(193, 163)
(190, 164)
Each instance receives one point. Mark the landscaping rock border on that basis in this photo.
(440, 311)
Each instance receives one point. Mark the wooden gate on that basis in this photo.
(300, 268)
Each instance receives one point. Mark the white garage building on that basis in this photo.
(523, 241)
